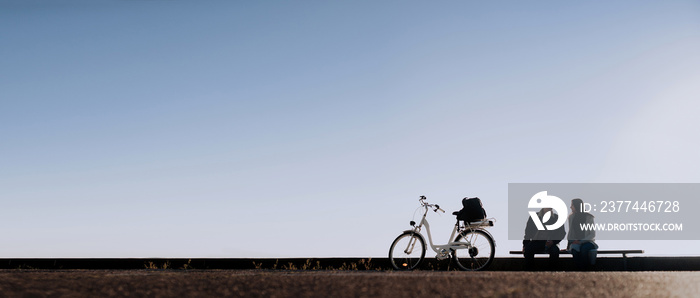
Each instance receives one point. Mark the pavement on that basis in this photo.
(343, 283)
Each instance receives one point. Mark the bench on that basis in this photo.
(600, 252)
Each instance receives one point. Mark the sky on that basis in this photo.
(247, 129)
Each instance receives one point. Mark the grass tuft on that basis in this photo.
(187, 266)
(152, 265)
(310, 264)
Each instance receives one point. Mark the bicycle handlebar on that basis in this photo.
(435, 207)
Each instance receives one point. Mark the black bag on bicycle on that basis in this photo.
(472, 210)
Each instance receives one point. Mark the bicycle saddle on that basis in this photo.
(455, 213)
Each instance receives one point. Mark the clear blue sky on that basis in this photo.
(310, 128)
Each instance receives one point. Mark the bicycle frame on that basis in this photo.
(441, 249)
(471, 247)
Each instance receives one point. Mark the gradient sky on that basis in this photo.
(310, 128)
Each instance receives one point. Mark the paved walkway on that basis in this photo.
(268, 283)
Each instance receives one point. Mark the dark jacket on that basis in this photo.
(575, 231)
(532, 233)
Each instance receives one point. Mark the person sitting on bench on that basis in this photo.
(546, 241)
(581, 241)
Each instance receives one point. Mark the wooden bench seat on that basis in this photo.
(622, 252)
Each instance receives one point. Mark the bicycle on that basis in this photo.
(472, 249)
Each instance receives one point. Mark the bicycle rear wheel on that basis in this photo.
(407, 251)
(478, 252)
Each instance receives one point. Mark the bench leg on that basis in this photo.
(624, 261)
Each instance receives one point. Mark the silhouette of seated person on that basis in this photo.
(546, 241)
(581, 243)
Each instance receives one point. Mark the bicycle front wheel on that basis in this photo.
(478, 250)
(407, 251)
